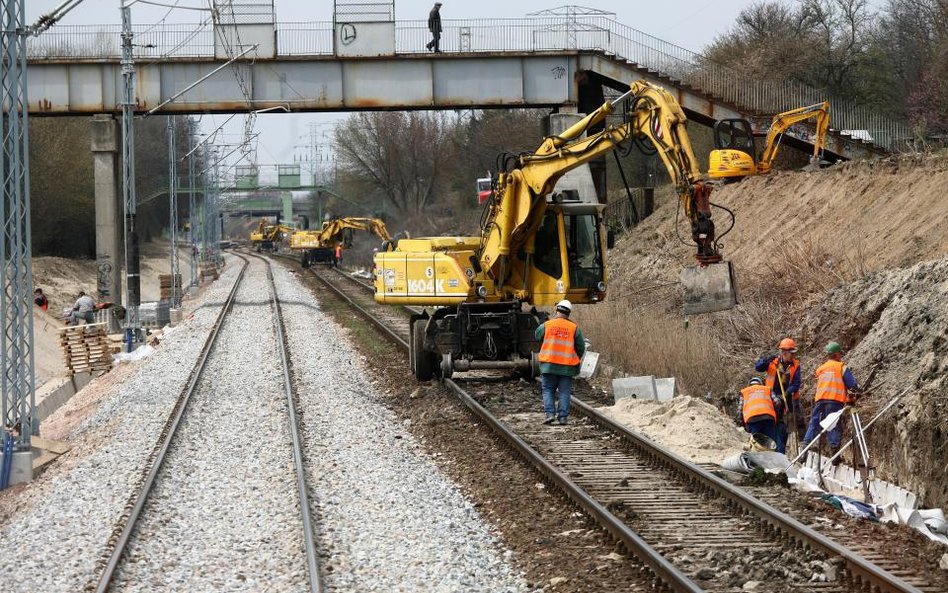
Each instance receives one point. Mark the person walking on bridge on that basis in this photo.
(759, 409)
(834, 384)
(434, 25)
(563, 347)
(783, 378)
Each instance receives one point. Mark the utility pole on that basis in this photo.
(173, 216)
(133, 294)
(16, 293)
(192, 214)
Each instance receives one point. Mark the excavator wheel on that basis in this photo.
(425, 362)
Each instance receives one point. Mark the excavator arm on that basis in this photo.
(333, 229)
(782, 122)
(654, 115)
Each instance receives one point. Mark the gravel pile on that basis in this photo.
(53, 530)
(388, 519)
(224, 514)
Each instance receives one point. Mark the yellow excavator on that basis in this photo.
(319, 246)
(735, 154)
(538, 246)
(266, 237)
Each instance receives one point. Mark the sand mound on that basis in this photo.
(692, 428)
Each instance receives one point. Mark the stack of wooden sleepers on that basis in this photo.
(86, 348)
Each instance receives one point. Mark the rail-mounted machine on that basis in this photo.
(319, 246)
(537, 247)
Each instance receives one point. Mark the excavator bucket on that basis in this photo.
(709, 288)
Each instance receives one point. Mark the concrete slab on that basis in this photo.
(21, 470)
(665, 389)
(635, 387)
(588, 365)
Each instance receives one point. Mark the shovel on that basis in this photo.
(709, 288)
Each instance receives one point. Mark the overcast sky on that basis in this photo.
(688, 23)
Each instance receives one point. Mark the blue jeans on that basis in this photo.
(766, 427)
(551, 383)
(821, 410)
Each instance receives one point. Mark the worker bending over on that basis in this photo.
(83, 309)
(834, 384)
(760, 408)
(783, 378)
(563, 346)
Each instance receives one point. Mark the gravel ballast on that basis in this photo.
(54, 528)
(224, 514)
(388, 518)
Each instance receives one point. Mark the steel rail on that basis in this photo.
(368, 316)
(126, 523)
(859, 567)
(312, 566)
(658, 564)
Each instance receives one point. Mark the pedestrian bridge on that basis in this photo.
(487, 63)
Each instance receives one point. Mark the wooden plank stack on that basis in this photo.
(166, 284)
(86, 348)
(209, 270)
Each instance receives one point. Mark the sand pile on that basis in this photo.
(690, 427)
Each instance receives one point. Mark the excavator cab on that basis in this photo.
(735, 154)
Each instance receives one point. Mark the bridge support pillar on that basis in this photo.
(108, 208)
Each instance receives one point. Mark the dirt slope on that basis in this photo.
(886, 213)
(897, 321)
(873, 274)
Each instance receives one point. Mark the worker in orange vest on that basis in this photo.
(563, 347)
(834, 384)
(759, 408)
(338, 255)
(783, 377)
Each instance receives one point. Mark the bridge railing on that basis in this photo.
(546, 33)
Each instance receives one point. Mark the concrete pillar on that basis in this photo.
(108, 207)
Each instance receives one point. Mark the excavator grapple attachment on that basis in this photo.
(709, 288)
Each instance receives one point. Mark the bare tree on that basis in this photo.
(402, 158)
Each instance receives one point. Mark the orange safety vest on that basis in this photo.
(559, 342)
(338, 252)
(772, 371)
(757, 402)
(829, 382)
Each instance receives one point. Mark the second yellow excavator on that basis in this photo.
(319, 246)
(735, 154)
(267, 237)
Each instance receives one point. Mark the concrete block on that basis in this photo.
(21, 470)
(665, 389)
(637, 387)
(176, 315)
(587, 367)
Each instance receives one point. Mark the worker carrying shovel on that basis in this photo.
(834, 384)
(783, 378)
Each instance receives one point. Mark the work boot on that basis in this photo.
(563, 421)
(549, 419)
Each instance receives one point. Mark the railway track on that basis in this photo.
(691, 529)
(139, 508)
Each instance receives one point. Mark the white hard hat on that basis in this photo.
(564, 306)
